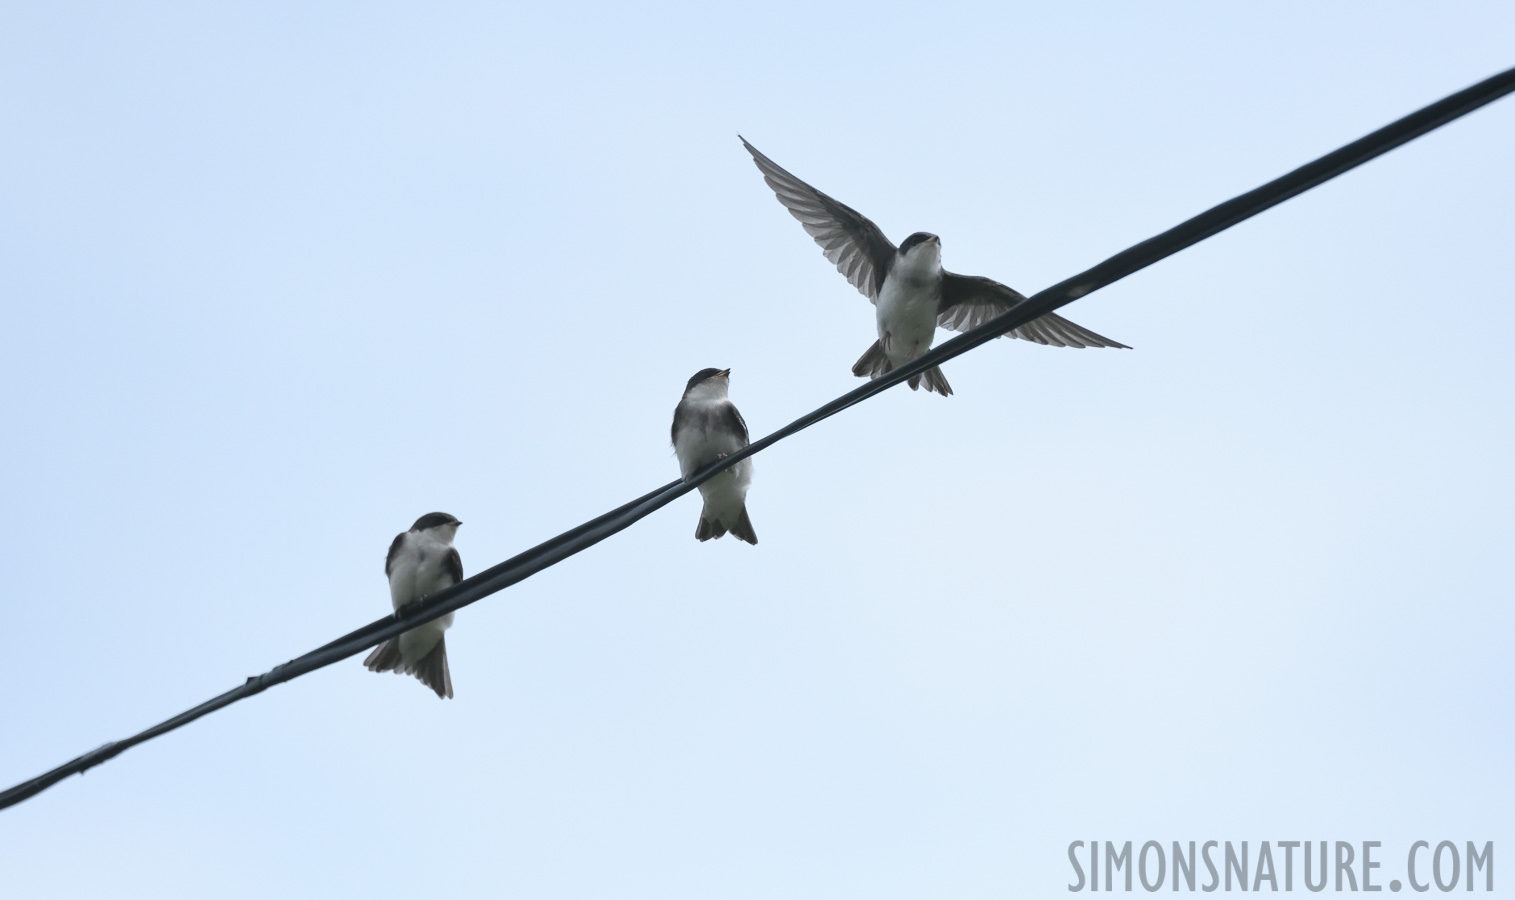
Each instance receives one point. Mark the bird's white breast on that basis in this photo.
(907, 306)
(419, 568)
(700, 443)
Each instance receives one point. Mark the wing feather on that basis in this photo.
(969, 301)
(734, 421)
(454, 565)
(853, 243)
(394, 550)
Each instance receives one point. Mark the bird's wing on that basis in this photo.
(856, 245)
(394, 550)
(969, 301)
(734, 421)
(454, 565)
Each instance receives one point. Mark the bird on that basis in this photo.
(706, 428)
(911, 291)
(421, 562)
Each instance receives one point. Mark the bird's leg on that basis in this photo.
(883, 342)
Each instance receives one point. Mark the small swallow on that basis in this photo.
(910, 290)
(707, 427)
(421, 562)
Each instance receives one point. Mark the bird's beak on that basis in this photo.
(724, 373)
(934, 239)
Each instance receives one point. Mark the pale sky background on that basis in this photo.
(279, 278)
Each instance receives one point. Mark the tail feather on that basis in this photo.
(742, 530)
(432, 670)
(935, 381)
(873, 363)
(708, 528)
(712, 527)
(385, 657)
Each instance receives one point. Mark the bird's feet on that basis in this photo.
(883, 341)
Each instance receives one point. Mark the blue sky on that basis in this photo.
(280, 278)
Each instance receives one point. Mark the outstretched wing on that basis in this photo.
(856, 245)
(969, 301)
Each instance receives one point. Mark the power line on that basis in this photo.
(524, 565)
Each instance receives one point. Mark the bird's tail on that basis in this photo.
(386, 657)
(711, 526)
(935, 381)
(431, 670)
(872, 363)
(742, 530)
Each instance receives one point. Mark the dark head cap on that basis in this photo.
(920, 237)
(703, 374)
(434, 520)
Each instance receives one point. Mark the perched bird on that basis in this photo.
(911, 291)
(707, 427)
(421, 561)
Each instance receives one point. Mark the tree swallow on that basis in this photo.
(421, 562)
(911, 291)
(707, 427)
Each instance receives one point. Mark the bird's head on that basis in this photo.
(439, 525)
(708, 383)
(922, 245)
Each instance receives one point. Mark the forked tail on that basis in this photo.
(872, 363)
(431, 669)
(712, 527)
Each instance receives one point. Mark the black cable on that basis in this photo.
(524, 565)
